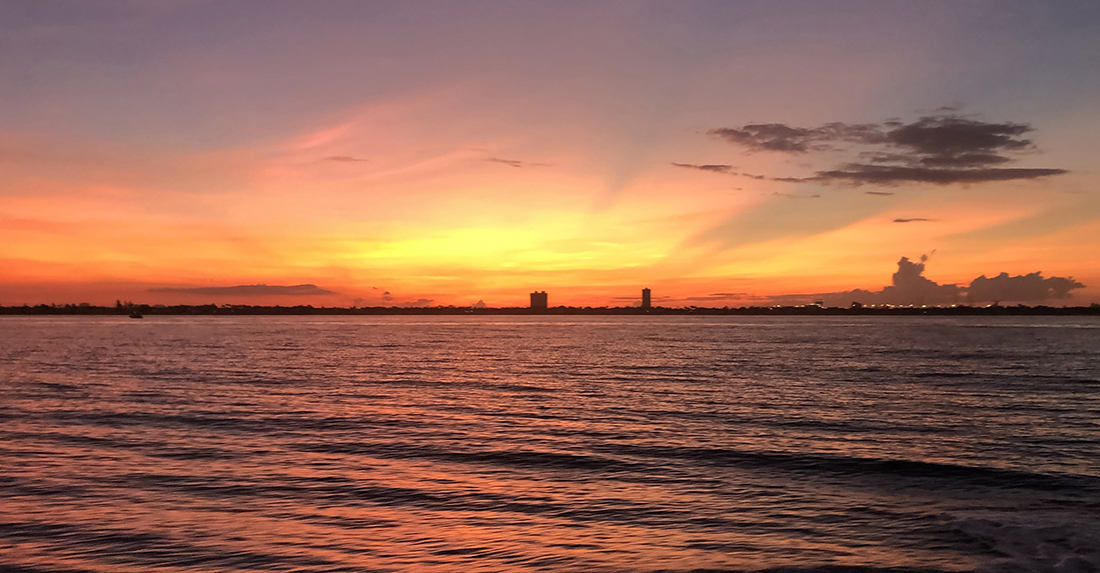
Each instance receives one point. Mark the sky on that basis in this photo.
(444, 153)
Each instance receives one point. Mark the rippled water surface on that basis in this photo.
(549, 444)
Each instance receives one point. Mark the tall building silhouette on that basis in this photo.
(645, 299)
(538, 300)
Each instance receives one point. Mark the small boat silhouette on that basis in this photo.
(136, 314)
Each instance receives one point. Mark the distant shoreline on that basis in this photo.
(307, 310)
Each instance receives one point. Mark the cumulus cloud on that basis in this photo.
(250, 290)
(1021, 288)
(941, 149)
(909, 286)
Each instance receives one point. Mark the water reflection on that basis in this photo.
(632, 444)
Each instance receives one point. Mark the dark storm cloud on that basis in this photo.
(887, 175)
(941, 140)
(780, 137)
(942, 150)
(344, 159)
(909, 286)
(713, 168)
(250, 290)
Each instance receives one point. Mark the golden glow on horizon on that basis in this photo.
(583, 256)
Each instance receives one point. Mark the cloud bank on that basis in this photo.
(250, 290)
(1023, 288)
(941, 149)
(909, 286)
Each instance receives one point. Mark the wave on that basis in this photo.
(848, 465)
(144, 548)
(625, 460)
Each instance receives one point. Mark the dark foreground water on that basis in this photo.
(549, 444)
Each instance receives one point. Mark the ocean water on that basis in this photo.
(525, 443)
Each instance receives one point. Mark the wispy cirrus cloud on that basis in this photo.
(714, 168)
(514, 162)
(793, 196)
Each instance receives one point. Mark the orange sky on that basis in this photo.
(455, 154)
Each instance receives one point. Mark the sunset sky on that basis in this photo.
(720, 153)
